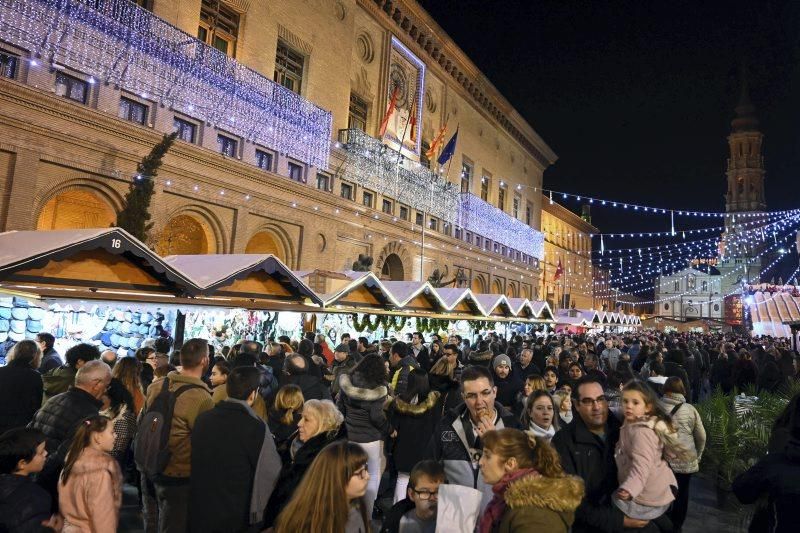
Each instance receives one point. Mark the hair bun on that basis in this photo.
(531, 438)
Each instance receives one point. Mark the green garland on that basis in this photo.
(370, 323)
(365, 323)
(482, 324)
(432, 325)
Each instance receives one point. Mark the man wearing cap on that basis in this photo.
(506, 381)
(343, 363)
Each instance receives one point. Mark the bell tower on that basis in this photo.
(746, 160)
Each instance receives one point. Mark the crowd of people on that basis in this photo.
(534, 432)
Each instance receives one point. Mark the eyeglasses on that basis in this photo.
(426, 494)
(591, 401)
(361, 473)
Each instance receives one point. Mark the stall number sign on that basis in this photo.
(116, 243)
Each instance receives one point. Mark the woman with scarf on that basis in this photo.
(540, 416)
(531, 491)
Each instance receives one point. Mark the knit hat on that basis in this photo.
(501, 359)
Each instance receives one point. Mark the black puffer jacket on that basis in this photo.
(292, 473)
(59, 416)
(20, 395)
(414, 424)
(23, 505)
(361, 404)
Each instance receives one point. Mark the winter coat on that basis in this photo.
(778, 476)
(339, 368)
(282, 433)
(391, 522)
(312, 386)
(413, 423)
(422, 357)
(59, 416)
(453, 443)
(20, 395)
(50, 361)
(91, 497)
(642, 470)
(744, 373)
(226, 444)
(721, 375)
(691, 433)
(292, 473)
(188, 407)
(401, 372)
(591, 458)
(769, 375)
(23, 504)
(507, 389)
(480, 358)
(57, 381)
(522, 373)
(535, 503)
(362, 408)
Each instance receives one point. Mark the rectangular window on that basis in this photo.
(346, 191)
(187, 131)
(466, 174)
(133, 111)
(227, 145)
(8, 65)
(296, 172)
(496, 248)
(368, 199)
(323, 182)
(219, 26)
(459, 233)
(515, 205)
(387, 207)
(357, 116)
(264, 160)
(501, 198)
(528, 212)
(289, 67)
(434, 224)
(485, 184)
(404, 212)
(71, 88)
(419, 219)
(468, 237)
(478, 241)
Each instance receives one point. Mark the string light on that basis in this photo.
(119, 43)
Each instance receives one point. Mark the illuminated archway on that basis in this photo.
(184, 235)
(478, 285)
(497, 287)
(265, 242)
(512, 291)
(76, 209)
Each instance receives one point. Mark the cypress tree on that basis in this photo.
(135, 214)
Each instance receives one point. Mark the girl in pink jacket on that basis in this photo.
(90, 488)
(646, 482)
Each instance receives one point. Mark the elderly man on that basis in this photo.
(457, 442)
(525, 366)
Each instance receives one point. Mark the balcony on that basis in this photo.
(484, 219)
(116, 42)
(374, 166)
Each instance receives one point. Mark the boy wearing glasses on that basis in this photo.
(417, 513)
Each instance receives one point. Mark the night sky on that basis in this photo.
(636, 97)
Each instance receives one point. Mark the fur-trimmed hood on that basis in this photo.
(417, 409)
(359, 393)
(561, 494)
(475, 355)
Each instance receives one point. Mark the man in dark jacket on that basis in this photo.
(20, 387)
(297, 374)
(343, 363)
(586, 447)
(50, 357)
(233, 457)
(60, 415)
(400, 364)
(62, 378)
(456, 441)
(524, 366)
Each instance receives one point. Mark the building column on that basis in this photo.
(239, 232)
(22, 193)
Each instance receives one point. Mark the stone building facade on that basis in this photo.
(70, 142)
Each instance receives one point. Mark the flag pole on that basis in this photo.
(405, 129)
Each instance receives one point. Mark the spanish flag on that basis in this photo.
(436, 142)
(389, 111)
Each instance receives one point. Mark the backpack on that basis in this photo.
(150, 447)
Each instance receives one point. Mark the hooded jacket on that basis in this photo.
(413, 423)
(642, 471)
(453, 443)
(483, 358)
(362, 408)
(23, 504)
(91, 497)
(58, 380)
(537, 503)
